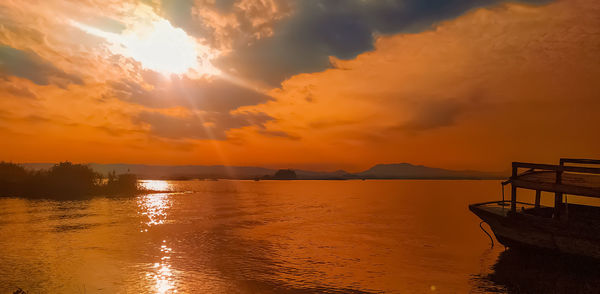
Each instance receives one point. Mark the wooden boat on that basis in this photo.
(566, 228)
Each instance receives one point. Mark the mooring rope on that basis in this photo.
(488, 234)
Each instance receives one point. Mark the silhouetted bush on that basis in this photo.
(62, 181)
(123, 184)
(67, 180)
(12, 178)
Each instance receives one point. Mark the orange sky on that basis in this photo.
(505, 82)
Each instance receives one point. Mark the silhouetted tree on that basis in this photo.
(69, 180)
(127, 183)
(121, 184)
(12, 178)
(63, 181)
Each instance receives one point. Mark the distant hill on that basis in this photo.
(285, 174)
(409, 171)
(316, 175)
(379, 171)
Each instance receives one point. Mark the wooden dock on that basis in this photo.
(572, 228)
(560, 179)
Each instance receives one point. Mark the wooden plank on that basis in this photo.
(535, 165)
(579, 160)
(573, 237)
(513, 192)
(553, 187)
(577, 169)
(558, 203)
(558, 196)
(572, 179)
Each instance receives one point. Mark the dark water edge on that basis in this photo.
(522, 270)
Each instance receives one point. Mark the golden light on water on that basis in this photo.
(154, 207)
(164, 276)
(156, 185)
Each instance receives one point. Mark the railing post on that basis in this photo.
(513, 191)
(558, 196)
(538, 196)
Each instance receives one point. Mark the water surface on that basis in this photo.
(254, 237)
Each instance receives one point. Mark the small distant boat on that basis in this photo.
(565, 228)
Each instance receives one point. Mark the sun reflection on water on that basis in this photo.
(156, 185)
(155, 207)
(164, 277)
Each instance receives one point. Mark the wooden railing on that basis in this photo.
(579, 161)
(559, 168)
(557, 187)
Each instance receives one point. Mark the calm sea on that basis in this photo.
(254, 237)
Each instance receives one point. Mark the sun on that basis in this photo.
(161, 48)
(157, 46)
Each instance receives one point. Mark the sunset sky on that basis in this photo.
(318, 84)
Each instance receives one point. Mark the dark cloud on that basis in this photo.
(435, 115)
(214, 94)
(318, 29)
(224, 5)
(29, 65)
(211, 100)
(438, 113)
(281, 134)
(203, 126)
(18, 91)
(179, 13)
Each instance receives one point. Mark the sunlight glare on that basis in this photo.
(163, 276)
(155, 185)
(154, 207)
(157, 45)
(161, 48)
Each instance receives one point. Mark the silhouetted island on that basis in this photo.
(63, 181)
(284, 174)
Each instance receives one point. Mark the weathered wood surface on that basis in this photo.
(577, 232)
(551, 167)
(570, 183)
(579, 161)
(579, 235)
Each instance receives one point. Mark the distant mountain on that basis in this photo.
(285, 174)
(409, 171)
(316, 175)
(380, 171)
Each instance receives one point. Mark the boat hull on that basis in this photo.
(524, 230)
